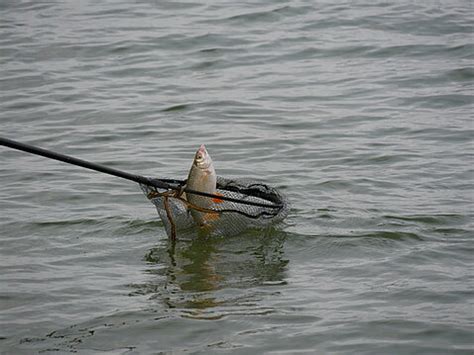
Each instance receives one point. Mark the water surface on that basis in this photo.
(360, 112)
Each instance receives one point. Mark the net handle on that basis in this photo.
(153, 182)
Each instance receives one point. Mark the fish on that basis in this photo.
(202, 177)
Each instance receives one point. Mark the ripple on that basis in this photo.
(361, 113)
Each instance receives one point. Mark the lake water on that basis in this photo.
(360, 112)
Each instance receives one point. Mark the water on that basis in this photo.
(361, 112)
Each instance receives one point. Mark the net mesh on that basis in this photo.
(222, 217)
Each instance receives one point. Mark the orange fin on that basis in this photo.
(217, 200)
(211, 217)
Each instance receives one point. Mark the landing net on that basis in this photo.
(253, 205)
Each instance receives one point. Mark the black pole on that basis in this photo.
(83, 163)
(161, 184)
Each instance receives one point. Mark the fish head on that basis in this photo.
(202, 159)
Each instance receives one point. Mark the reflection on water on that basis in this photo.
(203, 278)
(195, 274)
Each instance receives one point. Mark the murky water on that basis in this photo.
(360, 112)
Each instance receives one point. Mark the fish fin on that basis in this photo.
(217, 200)
(211, 217)
(207, 225)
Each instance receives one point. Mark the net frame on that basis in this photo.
(245, 203)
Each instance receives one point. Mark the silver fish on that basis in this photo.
(202, 177)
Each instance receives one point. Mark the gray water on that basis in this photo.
(360, 112)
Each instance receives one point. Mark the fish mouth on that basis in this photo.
(202, 149)
(202, 158)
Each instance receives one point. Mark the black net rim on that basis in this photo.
(273, 199)
(249, 203)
